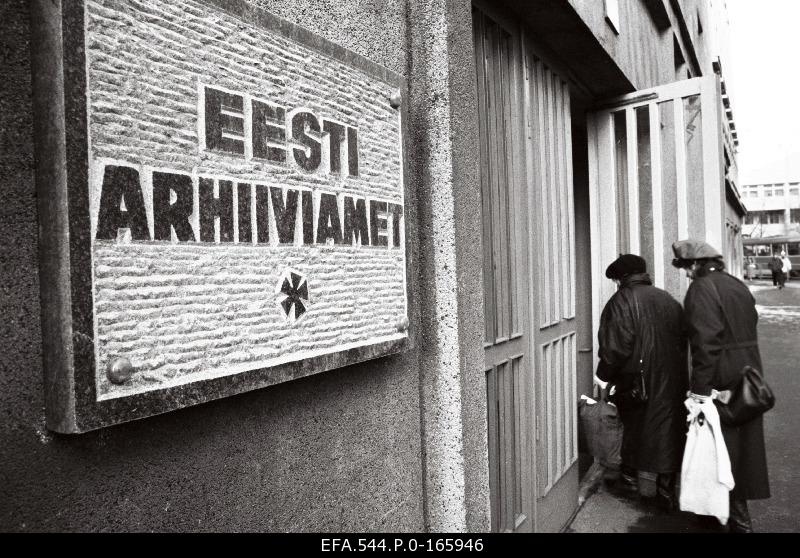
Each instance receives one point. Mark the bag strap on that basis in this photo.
(640, 338)
(724, 314)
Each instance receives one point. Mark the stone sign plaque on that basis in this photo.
(235, 207)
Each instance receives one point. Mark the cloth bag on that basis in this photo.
(601, 431)
(706, 477)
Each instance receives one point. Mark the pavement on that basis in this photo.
(607, 509)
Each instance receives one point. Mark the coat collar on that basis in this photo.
(708, 268)
(636, 279)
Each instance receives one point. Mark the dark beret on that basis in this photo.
(626, 264)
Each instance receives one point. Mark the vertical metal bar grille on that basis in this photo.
(552, 179)
(496, 121)
(558, 413)
(505, 395)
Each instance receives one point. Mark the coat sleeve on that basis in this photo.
(706, 333)
(615, 338)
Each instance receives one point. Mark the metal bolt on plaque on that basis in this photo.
(396, 99)
(119, 370)
(402, 324)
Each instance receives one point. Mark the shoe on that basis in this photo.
(665, 503)
(629, 484)
(739, 520)
(739, 528)
(706, 524)
(660, 504)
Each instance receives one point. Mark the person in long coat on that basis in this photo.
(722, 319)
(642, 332)
(775, 266)
(786, 268)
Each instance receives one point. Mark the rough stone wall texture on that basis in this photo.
(338, 451)
(469, 255)
(368, 27)
(184, 312)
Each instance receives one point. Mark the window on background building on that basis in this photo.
(793, 249)
(779, 192)
(753, 194)
(794, 191)
(794, 215)
(767, 193)
(773, 217)
(750, 219)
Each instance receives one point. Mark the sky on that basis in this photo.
(764, 80)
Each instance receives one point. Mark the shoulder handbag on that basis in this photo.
(636, 395)
(751, 397)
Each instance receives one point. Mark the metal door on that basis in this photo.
(529, 277)
(552, 254)
(505, 274)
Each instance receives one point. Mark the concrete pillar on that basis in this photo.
(444, 128)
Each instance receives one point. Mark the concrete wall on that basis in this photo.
(444, 132)
(642, 49)
(337, 451)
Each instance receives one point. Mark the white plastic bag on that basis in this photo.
(706, 477)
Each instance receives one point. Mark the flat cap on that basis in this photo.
(690, 249)
(626, 264)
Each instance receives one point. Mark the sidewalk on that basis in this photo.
(606, 509)
(757, 285)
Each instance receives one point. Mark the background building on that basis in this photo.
(541, 140)
(773, 209)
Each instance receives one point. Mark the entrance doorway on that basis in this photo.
(656, 176)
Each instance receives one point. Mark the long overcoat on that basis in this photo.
(723, 334)
(644, 322)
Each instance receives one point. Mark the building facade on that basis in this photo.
(538, 141)
(773, 209)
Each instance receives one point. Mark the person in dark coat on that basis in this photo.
(776, 267)
(722, 319)
(642, 334)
